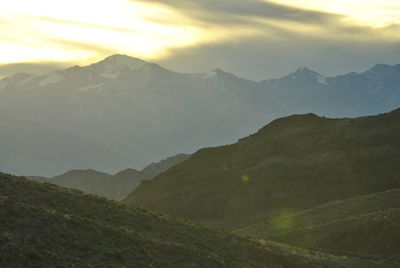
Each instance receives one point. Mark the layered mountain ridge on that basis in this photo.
(294, 163)
(126, 112)
(116, 186)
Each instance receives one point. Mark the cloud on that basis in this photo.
(232, 11)
(260, 57)
(253, 38)
(86, 24)
(259, 39)
(27, 67)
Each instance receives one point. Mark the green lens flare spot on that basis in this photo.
(245, 178)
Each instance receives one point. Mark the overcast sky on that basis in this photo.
(255, 39)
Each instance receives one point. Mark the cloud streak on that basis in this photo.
(255, 38)
(230, 11)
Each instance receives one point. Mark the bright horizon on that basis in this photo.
(62, 33)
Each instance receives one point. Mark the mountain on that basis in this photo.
(292, 164)
(157, 168)
(88, 181)
(367, 225)
(43, 225)
(116, 186)
(123, 110)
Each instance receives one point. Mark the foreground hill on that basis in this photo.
(365, 225)
(116, 186)
(123, 110)
(374, 235)
(294, 163)
(43, 225)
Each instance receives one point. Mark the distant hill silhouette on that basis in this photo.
(115, 186)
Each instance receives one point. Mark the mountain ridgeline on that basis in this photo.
(292, 164)
(116, 186)
(43, 225)
(123, 110)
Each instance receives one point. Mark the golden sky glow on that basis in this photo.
(375, 13)
(82, 31)
(67, 30)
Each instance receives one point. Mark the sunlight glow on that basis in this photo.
(65, 30)
(83, 31)
(374, 13)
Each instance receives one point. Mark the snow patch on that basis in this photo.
(210, 75)
(110, 74)
(321, 79)
(207, 75)
(87, 88)
(52, 78)
(26, 80)
(115, 65)
(305, 71)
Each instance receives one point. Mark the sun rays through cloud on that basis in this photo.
(81, 32)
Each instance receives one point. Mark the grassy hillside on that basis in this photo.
(294, 163)
(43, 225)
(326, 213)
(366, 225)
(375, 235)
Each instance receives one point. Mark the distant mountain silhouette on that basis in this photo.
(292, 164)
(123, 110)
(116, 186)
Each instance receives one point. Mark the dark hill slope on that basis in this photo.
(292, 164)
(366, 225)
(43, 225)
(333, 211)
(375, 235)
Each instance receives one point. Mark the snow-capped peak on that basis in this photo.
(51, 78)
(304, 72)
(207, 75)
(113, 66)
(118, 60)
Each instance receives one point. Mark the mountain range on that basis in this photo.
(123, 112)
(116, 186)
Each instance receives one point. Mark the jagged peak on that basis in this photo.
(122, 60)
(304, 72)
(114, 65)
(379, 67)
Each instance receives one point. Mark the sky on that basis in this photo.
(255, 39)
